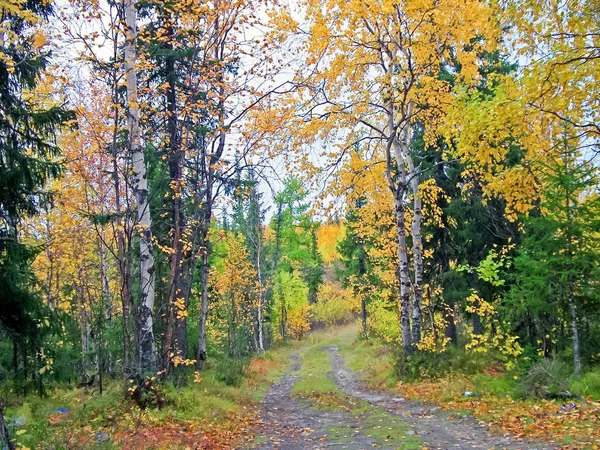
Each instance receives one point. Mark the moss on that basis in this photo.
(341, 433)
(387, 429)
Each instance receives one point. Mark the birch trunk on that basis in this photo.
(417, 245)
(261, 344)
(399, 189)
(396, 156)
(147, 353)
(403, 272)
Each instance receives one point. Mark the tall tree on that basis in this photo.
(28, 159)
(373, 68)
(558, 263)
(145, 331)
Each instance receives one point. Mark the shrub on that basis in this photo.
(424, 364)
(232, 371)
(546, 379)
(146, 392)
(332, 306)
(587, 385)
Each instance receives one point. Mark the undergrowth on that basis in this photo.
(213, 401)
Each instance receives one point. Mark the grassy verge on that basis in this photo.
(493, 402)
(207, 413)
(372, 359)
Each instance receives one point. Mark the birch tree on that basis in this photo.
(145, 332)
(373, 68)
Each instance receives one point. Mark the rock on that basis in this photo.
(101, 436)
(17, 422)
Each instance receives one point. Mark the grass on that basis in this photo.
(381, 427)
(196, 411)
(387, 429)
(587, 385)
(372, 360)
(314, 372)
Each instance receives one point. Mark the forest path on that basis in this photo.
(437, 428)
(345, 415)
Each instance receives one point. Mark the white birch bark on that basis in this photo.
(147, 353)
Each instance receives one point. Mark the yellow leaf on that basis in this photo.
(39, 40)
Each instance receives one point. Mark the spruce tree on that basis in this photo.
(28, 159)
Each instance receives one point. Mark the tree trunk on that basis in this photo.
(363, 316)
(259, 306)
(398, 185)
(123, 253)
(106, 294)
(147, 353)
(177, 303)
(574, 328)
(403, 272)
(418, 275)
(233, 327)
(450, 331)
(5, 439)
(201, 357)
(417, 249)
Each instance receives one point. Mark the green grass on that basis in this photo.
(211, 399)
(341, 433)
(381, 427)
(372, 359)
(587, 385)
(94, 411)
(314, 372)
(387, 429)
(500, 385)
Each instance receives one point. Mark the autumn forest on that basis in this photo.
(299, 224)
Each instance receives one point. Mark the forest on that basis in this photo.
(280, 224)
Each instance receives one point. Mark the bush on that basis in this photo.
(382, 321)
(232, 371)
(424, 364)
(546, 379)
(587, 385)
(146, 392)
(332, 306)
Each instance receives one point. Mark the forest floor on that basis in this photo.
(321, 403)
(329, 390)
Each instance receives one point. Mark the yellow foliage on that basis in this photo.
(335, 305)
(328, 237)
(298, 320)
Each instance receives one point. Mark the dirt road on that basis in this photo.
(366, 419)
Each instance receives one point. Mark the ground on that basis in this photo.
(320, 403)
(329, 390)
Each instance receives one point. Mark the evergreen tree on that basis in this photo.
(557, 265)
(28, 155)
